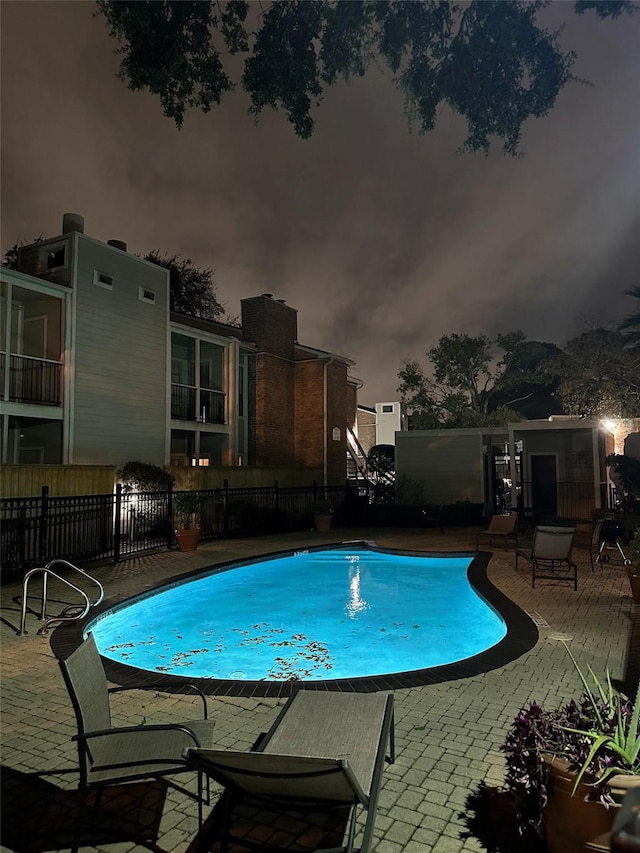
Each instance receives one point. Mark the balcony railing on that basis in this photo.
(32, 380)
(197, 404)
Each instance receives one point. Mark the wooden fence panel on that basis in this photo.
(24, 481)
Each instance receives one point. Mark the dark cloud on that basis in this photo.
(383, 240)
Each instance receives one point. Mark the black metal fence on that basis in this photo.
(81, 528)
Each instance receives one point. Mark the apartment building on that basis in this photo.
(96, 369)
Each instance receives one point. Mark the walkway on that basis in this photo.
(444, 794)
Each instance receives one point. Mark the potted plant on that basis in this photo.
(570, 767)
(633, 566)
(186, 506)
(322, 513)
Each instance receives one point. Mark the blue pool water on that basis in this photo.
(335, 613)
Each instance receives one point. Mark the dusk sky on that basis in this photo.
(383, 240)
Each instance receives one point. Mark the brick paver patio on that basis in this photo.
(445, 791)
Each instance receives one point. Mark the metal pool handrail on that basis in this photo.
(47, 572)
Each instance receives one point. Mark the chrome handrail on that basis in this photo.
(47, 572)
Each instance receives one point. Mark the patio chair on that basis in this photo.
(501, 527)
(109, 755)
(551, 553)
(326, 750)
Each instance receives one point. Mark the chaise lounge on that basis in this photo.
(551, 553)
(501, 527)
(326, 750)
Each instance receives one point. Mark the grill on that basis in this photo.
(611, 535)
(612, 531)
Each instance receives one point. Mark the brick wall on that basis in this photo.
(366, 429)
(310, 403)
(309, 395)
(274, 411)
(337, 417)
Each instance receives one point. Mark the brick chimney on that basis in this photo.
(270, 324)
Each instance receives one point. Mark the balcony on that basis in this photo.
(197, 404)
(31, 380)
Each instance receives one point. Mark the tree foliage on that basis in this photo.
(381, 461)
(599, 375)
(10, 258)
(490, 61)
(470, 385)
(192, 290)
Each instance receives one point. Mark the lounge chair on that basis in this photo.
(502, 527)
(110, 756)
(326, 750)
(551, 553)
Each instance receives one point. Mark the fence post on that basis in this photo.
(43, 537)
(315, 491)
(117, 523)
(169, 516)
(226, 508)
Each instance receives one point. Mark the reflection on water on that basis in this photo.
(356, 603)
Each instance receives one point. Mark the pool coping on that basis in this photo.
(521, 636)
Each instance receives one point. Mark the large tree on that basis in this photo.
(471, 385)
(192, 290)
(599, 375)
(491, 61)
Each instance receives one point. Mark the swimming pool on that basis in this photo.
(318, 616)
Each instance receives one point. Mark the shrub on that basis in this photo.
(144, 477)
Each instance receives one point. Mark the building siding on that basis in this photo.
(120, 377)
(447, 465)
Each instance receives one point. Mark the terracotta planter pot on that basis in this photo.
(634, 580)
(322, 523)
(188, 539)
(570, 822)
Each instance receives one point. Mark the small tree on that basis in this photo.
(381, 462)
(10, 259)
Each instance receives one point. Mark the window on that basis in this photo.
(197, 380)
(145, 295)
(102, 279)
(387, 408)
(55, 258)
(211, 358)
(183, 360)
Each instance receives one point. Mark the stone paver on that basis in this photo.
(447, 735)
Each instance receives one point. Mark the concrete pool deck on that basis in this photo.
(445, 792)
